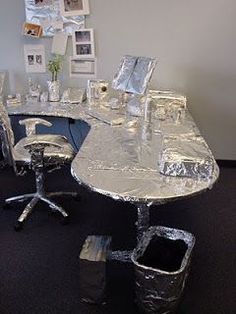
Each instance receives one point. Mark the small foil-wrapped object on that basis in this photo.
(34, 90)
(44, 97)
(186, 156)
(97, 91)
(73, 96)
(93, 268)
(134, 74)
(168, 104)
(161, 260)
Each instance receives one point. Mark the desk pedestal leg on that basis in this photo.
(143, 221)
(142, 224)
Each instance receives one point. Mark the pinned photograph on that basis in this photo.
(32, 30)
(38, 59)
(85, 49)
(34, 58)
(83, 43)
(30, 59)
(42, 3)
(74, 7)
(86, 68)
(83, 36)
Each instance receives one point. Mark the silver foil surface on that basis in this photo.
(48, 15)
(105, 115)
(186, 156)
(122, 161)
(54, 90)
(97, 91)
(158, 290)
(6, 136)
(73, 96)
(134, 74)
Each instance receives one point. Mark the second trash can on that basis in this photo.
(161, 261)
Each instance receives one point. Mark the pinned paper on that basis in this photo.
(59, 43)
(34, 58)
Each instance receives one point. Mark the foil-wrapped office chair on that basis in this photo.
(38, 152)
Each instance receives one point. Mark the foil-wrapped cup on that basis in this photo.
(186, 156)
(54, 90)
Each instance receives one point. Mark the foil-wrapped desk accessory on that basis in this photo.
(54, 90)
(13, 100)
(97, 91)
(186, 156)
(168, 104)
(134, 74)
(73, 96)
(34, 91)
(44, 97)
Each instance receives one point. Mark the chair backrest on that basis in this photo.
(6, 133)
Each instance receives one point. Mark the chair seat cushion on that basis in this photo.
(52, 155)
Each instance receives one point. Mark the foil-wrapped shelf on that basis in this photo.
(186, 156)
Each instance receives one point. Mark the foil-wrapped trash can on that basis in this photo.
(161, 260)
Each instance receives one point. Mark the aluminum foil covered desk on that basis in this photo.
(122, 162)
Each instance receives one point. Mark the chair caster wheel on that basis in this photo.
(18, 226)
(65, 220)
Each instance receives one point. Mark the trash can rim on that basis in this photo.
(185, 259)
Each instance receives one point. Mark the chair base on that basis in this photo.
(35, 198)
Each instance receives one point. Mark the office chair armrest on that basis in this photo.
(31, 123)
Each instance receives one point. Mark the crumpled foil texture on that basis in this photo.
(134, 74)
(6, 134)
(159, 291)
(186, 156)
(47, 15)
(54, 90)
(122, 161)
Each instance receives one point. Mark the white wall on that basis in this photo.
(194, 42)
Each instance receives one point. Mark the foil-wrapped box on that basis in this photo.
(93, 268)
(134, 74)
(168, 104)
(186, 156)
